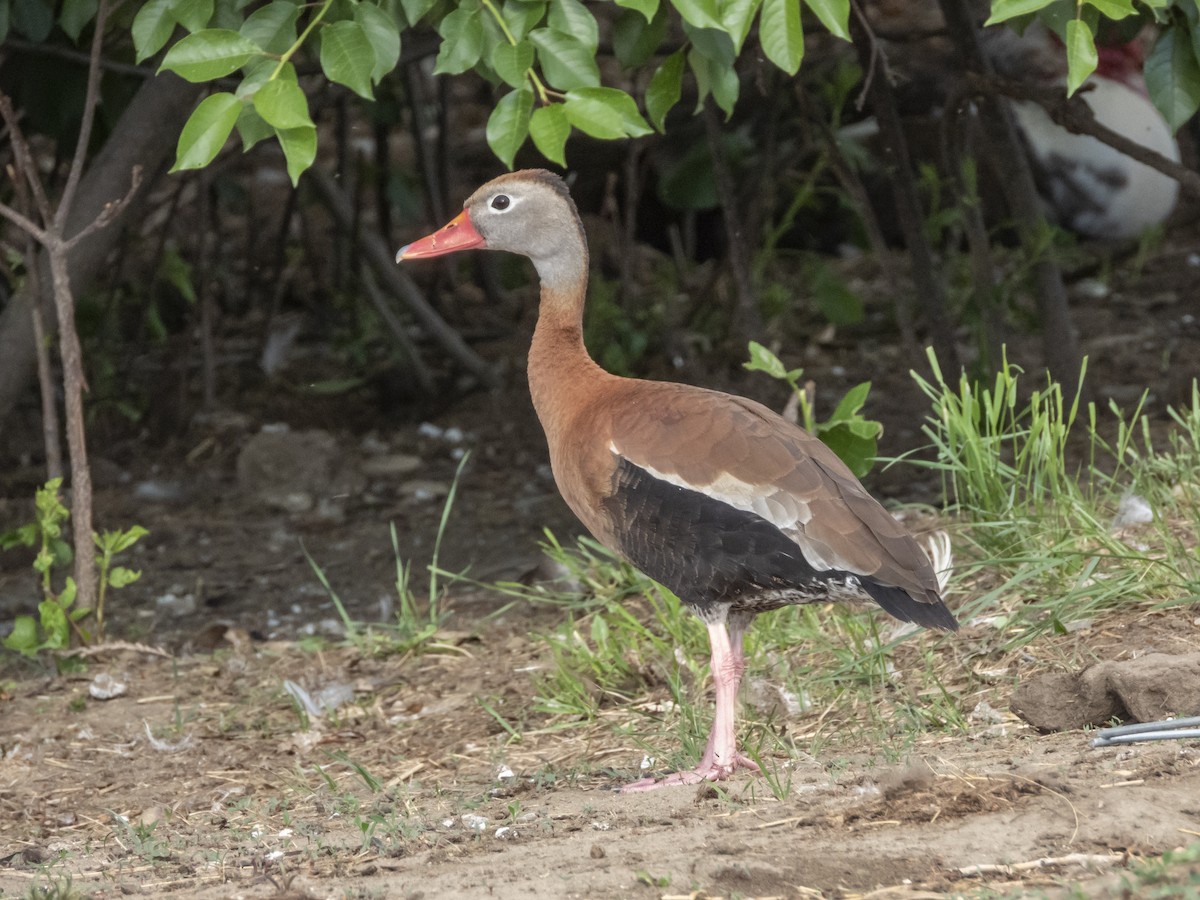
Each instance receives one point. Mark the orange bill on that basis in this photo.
(458, 234)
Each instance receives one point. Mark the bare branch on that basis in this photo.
(85, 126)
(24, 160)
(111, 210)
(25, 224)
(1076, 116)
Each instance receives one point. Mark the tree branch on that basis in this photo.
(85, 125)
(111, 209)
(1076, 116)
(25, 167)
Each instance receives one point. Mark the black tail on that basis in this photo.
(900, 604)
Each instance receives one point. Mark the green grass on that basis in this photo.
(1032, 480)
(1037, 484)
(417, 620)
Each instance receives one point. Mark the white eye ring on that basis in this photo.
(501, 202)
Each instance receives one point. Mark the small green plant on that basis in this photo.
(417, 622)
(51, 630)
(110, 543)
(654, 881)
(57, 889)
(142, 839)
(846, 432)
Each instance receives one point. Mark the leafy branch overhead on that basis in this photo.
(541, 57)
(1172, 68)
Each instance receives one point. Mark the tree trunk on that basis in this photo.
(1060, 343)
(145, 135)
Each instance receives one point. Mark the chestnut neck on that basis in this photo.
(561, 373)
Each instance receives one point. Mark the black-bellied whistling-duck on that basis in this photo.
(732, 507)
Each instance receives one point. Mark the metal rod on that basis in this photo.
(1164, 730)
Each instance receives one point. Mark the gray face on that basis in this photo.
(532, 218)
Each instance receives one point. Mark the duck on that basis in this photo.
(730, 506)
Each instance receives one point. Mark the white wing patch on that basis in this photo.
(786, 512)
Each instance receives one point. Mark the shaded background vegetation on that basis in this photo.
(248, 285)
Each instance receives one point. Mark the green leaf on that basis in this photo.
(75, 15)
(273, 27)
(193, 14)
(847, 409)
(206, 131)
(665, 88)
(834, 15)
(24, 636)
(738, 15)
(119, 576)
(209, 54)
(120, 541)
(33, 19)
(299, 149)
(701, 13)
(259, 73)
(855, 450)
(566, 61)
(714, 43)
(550, 129)
(523, 15)
(763, 360)
(648, 8)
(53, 619)
(838, 303)
(1173, 77)
(511, 63)
(347, 57)
(1113, 9)
(1081, 54)
(383, 33)
(604, 113)
(713, 78)
(781, 34)
(1003, 10)
(251, 127)
(282, 105)
(152, 28)
(508, 125)
(414, 10)
(462, 42)
(24, 536)
(572, 17)
(635, 40)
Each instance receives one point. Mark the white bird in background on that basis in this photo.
(1089, 187)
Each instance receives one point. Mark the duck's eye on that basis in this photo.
(500, 202)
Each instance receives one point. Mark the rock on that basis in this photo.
(1145, 689)
(292, 470)
(390, 465)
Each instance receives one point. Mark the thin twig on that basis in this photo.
(1071, 859)
(114, 647)
(91, 98)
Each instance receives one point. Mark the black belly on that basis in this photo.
(714, 555)
(710, 553)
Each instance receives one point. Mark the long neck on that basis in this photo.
(560, 370)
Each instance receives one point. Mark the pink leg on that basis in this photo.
(721, 756)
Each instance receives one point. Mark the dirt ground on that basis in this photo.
(203, 780)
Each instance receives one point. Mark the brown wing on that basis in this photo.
(743, 454)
